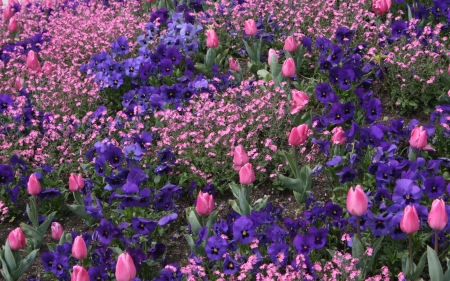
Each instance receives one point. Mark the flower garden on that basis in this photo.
(225, 140)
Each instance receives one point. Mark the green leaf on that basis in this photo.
(250, 52)
(409, 13)
(235, 207)
(193, 220)
(244, 206)
(204, 70)
(299, 58)
(24, 264)
(303, 119)
(9, 257)
(292, 184)
(419, 268)
(80, 211)
(357, 248)
(32, 234)
(77, 197)
(376, 247)
(32, 215)
(44, 226)
(209, 222)
(447, 273)
(264, 74)
(258, 49)
(198, 250)
(275, 68)
(260, 203)
(287, 55)
(210, 58)
(292, 164)
(117, 250)
(5, 271)
(434, 265)
(299, 198)
(235, 188)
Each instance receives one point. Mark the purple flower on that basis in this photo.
(373, 110)
(143, 225)
(336, 114)
(6, 174)
(406, 192)
(170, 93)
(344, 35)
(49, 193)
(120, 46)
(243, 230)
(434, 187)
(333, 210)
(99, 166)
(336, 54)
(325, 64)
(5, 101)
(215, 247)
(174, 55)
(162, 169)
(398, 28)
(134, 179)
(167, 219)
(105, 232)
(115, 80)
(320, 236)
(334, 161)
(230, 266)
(323, 44)
(345, 77)
(157, 250)
(304, 243)
(347, 175)
(279, 253)
(307, 43)
(324, 145)
(348, 110)
(325, 94)
(379, 224)
(166, 155)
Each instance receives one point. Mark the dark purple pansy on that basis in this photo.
(344, 35)
(166, 67)
(215, 247)
(6, 174)
(325, 93)
(143, 225)
(230, 266)
(323, 44)
(406, 192)
(304, 243)
(243, 230)
(167, 219)
(373, 110)
(278, 253)
(434, 187)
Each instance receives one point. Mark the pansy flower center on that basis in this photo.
(244, 234)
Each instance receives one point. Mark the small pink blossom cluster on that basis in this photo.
(3, 210)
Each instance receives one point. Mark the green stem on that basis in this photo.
(411, 264)
(436, 241)
(358, 227)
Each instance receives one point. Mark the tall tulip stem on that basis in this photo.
(358, 227)
(436, 241)
(410, 253)
(295, 155)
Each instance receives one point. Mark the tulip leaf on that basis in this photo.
(250, 52)
(447, 273)
(81, 212)
(32, 234)
(376, 247)
(117, 250)
(209, 222)
(193, 220)
(258, 50)
(235, 207)
(44, 226)
(77, 197)
(24, 264)
(357, 248)
(200, 251)
(299, 198)
(244, 206)
(275, 68)
(419, 268)
(9, 257)
(260, 203)
(264, 74)
(5, 271)
(287, 55)
(434, 265)
(210, 58)
(204, 70)
(412, 156)
(299, 58)
(304, 119)
(293, 165)
(32, 215)
(235, 188)
(292, 184)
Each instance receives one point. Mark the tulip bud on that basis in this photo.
(272, 53)
(357, 201)
(338, 137)
(288, 69)
(48, 68)
(125, 268)
(290, 45)
(16, 239)
(437, 217)
(212, 40)
(18, 84)
(79, 249)
(33, 62)
(12, 26)
(246, 174)
(298, 135)
(205, 204)
(57, 231)
(233, 64)
(410, 222)
(7, 12)
(76, 182)
(34, 186)
(250, 27)
(380, 7)
(80, 274)
(299, 101)
(418, 138)
(240, 157)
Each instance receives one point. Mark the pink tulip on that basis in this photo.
(437, 217)
(246, 174)
(25, 2)
(338, 136)
(419, 139)
(357, 202)
(48, 68)
(272, 53)
(12, 26)
(299, 101)
(34, 186)
(288, 69)
(76, 182)
(33, 62)
(79, 250)
(125, 268)
(7, 12)
(79, 274)
(250, 27)
(212, 40)
(57, 230)
(410, 222)
(18, 83)
(298, 135)
(240, 158)
(290, 45)
(233, 64)
(205, 204)
(380, 7)
(16, 239)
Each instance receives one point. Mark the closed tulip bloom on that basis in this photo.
(250, 27)
(34, 186)
(7, 12)
(290, 45)
(357, 201)
(18, 84)
(298, 135)
(272, 53)
(33, 62)
(12, 25)
(338, 136)
(380, 7)
(246, 174)
(299, 101)
(16, 239)
(437, 217)
(240, 157)
(76, 182)
(233, 64)
(125, 268)
(80, 274)
(288, 68)
(79, 249)
(212, 40)
(48, 68)
(418, 138)
(57, 230)
(205, 204)
(410, 222)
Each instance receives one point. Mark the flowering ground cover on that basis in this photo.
(231, 140)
